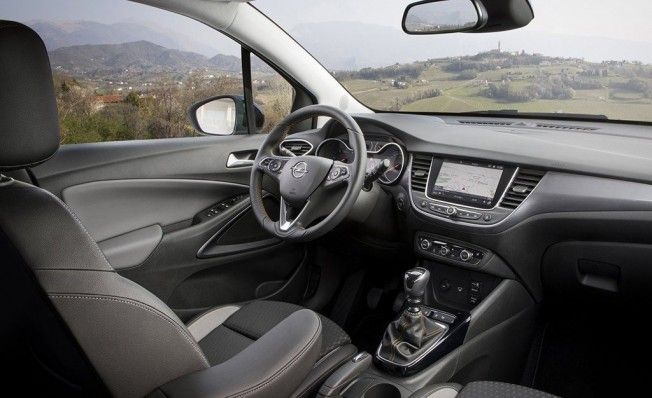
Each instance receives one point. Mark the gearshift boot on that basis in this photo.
(409, 336)
(413, 333)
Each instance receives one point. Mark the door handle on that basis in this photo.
(240, 159)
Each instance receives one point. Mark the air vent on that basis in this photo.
(564, 127)
(297, 147)
(420, 169)
(485, 123)
(524, 183)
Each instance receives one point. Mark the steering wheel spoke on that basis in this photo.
(339, 174)
(292, 218)
(272, 165)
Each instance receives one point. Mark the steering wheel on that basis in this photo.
(310, 187)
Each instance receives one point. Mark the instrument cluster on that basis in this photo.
(377, 151)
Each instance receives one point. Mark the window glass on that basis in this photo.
(272, 93)
(591, 59)
(126, 71)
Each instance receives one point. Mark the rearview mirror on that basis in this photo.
(223, 115)
(443, 16)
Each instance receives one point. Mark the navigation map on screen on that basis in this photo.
(468, 179)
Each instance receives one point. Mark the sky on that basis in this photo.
(573, 17)
(625, 23)
(569, 17)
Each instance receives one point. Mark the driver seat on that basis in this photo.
(134, 341)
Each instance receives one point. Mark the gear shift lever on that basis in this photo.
(406, 338)
(414, 283)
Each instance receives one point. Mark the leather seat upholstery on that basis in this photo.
(225, 331)
(133, 340)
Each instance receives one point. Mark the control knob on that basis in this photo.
(444, 251)
(425, 244)
(465, 255)
(451, 212)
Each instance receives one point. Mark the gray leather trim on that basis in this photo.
(132, 248)
(29, 126)
(272, 366)
(445, 390)
(134, 341)
(114, 207)
(205, 323)
(45, 231)
(131, 360)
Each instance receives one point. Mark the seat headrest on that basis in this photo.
(29, 125)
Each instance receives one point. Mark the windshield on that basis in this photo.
(576, 57)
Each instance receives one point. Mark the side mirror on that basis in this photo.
(223, 115)
(443, 16)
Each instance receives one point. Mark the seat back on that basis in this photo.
(132, 339)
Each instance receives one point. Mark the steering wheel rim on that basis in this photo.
(309, 179)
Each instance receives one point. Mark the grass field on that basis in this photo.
(467, 95)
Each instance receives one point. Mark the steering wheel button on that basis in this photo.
(274, 165)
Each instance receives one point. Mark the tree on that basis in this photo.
(132, 99)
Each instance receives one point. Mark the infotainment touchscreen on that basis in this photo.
(467, 182)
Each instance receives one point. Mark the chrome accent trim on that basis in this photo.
(401, 170)
(233, 162)
(285, 224)
(299, 170)
(296, 140)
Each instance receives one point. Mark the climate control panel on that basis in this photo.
(458, 213)
(442, 248)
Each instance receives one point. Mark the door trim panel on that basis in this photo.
(115, 207)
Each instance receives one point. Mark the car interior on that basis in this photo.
(347, 252)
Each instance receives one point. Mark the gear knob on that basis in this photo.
(414, 283)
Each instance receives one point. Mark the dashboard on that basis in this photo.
(478, 191)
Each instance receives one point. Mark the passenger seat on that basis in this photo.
(479, 389)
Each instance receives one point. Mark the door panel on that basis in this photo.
(202, 158)
(132, 248)
(115, 207)
(170, 215)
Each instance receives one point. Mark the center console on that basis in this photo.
(464, 315)
(463, 318)
(421, 334)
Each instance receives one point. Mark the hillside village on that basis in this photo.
(143, 90)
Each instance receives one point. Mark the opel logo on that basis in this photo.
(299, 170)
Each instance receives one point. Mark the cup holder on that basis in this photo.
(383, 390)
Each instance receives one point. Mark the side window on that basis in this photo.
(272, 93)
(119, 76)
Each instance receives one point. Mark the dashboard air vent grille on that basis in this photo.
(524, 183)
(564, 127)
(297, 147)
(420, 169)
(485, 123)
